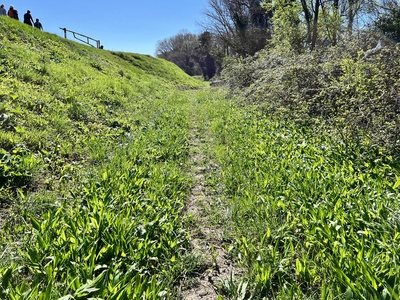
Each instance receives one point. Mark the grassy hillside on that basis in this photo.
(91, 189)
(53, 91)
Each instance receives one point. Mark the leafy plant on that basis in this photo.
(340, 88)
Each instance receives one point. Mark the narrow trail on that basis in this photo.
(3, 214)
(206, 235)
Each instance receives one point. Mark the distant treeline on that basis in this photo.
(234, 28)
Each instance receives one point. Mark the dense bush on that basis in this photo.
(354, 86)
(389, 23)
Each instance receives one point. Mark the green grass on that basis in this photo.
(94, 150)
(92, 144)
(311, 217)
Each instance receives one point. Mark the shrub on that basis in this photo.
(339, 86)
(389, 23)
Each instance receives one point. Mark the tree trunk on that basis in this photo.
(336, 16)
(315, 24)
(350, 16)
(307, 16)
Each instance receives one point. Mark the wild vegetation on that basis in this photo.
(309, 216)
(242, 28)
(314, 196)
(347, 88)
(95, 173)
(92, 188)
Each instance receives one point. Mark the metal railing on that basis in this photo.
(80, 37)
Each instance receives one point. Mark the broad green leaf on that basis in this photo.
(35, 223)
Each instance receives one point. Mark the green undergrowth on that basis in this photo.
(309, 216)
(341, 88)
(94, 160)
(92, 187)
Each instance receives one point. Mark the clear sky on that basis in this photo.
(130, 26)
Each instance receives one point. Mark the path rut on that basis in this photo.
(206, 236)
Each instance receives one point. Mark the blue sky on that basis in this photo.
(130, 26)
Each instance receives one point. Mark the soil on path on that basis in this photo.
(206, 235)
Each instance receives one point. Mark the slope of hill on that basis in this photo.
(91, 144)
(52, 87)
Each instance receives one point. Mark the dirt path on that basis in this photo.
(3, 214)
(206, 236)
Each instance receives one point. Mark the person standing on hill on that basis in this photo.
(11, 12)
(3, 11)
(28, 18)
(38, 25)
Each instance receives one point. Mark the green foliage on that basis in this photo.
(91, 184)
(340, 87)
(288, 32)
(389, 23)
(94, 179)
(17, 167)
(311, 216)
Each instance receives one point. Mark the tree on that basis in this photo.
(296, 21)
(241, 25)
(389, 22)
(195, 54)
(287, 33)
(181, 50)
(207, 61)
(312, 23)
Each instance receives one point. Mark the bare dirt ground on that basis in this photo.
(206, 237)
(3, 215)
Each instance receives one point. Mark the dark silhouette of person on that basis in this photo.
(28, 18)
(38, 25)
(3, 11)
(13, 13)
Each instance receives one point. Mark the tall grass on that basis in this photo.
(118, 236)
(91, 178)
(311, 217)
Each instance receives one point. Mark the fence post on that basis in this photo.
(65, 32)
(87, 41)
